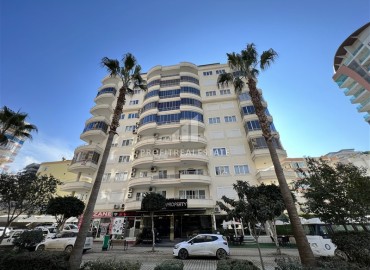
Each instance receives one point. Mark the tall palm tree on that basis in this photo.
(130, 75)
(13, 123)
(245, 68)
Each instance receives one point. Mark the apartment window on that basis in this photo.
(144, 174)
(122, 116)
(244, 96)
(114, 144)
(137, 92)
(121, 176)
(222, 170)
(106, 177)
(139, 196)
(124, 159)
(241, 169)
(219, 152)
(220, 71)
(249, 110)
(192, 194)
(133, 115)
(162, 174)
(127, 142)
(253, 125)
(130, 128)
(230, 119)
(207, 73)
(134, 102)
(225, 92)
(214, 120)
(210, 93)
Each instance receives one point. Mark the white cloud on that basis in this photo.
(41, 149)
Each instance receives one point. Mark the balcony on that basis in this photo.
(132, 205)
(140, 182)
(262, 158)
(84, 166)
(76, 186)
(102, 110)
(95, 129)
(269, 176)
(106, 96)
(86, 159)
(165, 142)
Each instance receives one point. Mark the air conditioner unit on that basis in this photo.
(133, 174)
(153, 169)
(217, 209)
(137, 124)
(155, 135)
(133, 170)
(123, 206)
(130, 190)
(129, 195)
(137, 152)
(138, 137)
(155, 151)
(116, 206)
(152, 189)
(134, 131)
(136, 155)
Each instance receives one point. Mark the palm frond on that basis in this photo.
(224, 79)
(129, 62)
(254, 73)
(267, 58)
(238, 84)
(234, 61)
(112, 65)
(249, 56)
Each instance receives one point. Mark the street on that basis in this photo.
(150, 259)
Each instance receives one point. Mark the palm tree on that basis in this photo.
(245, 68)
(130, 75)
(13, 123)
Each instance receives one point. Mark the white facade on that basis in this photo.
(185, 138)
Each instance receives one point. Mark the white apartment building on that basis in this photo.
(184, 138)
(352, 67)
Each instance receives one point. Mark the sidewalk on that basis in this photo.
(150, 259)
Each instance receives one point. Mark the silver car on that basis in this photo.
(203, 245)
(64, 241)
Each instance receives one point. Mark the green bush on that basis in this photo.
(28, 240)
(236, 265)
(34, 260)
(170, 265)
(111, 265)
(323, 263)
(355, 244)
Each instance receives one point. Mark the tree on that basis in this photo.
(63, 208)
(336, 194)
(153, 202)
(14, 123)
(255, 205)
(244, 71)
(129, 74)
(24, 193)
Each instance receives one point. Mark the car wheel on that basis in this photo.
(41, 248)
(341, 254)
(221, 254)
(183, 254)
(68, 249)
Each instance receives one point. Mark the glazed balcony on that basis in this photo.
(165, 142)
(95, 130)
(76, 186)
(86, 159)
(106, 96)
(102, 110)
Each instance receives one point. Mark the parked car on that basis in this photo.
(70, 228)
(64, 241)
(203, 245)
(48, 232)
(7, 231)
(9, 239)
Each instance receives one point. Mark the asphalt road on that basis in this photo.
(150, 259)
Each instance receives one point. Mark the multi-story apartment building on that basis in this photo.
(185, 138)
(9, 151)
(352, 68)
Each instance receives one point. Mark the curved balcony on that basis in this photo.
(166, 142)
(76, 186)
(191, 108)
(140, 182)
(147, 129)
(250, 117)
(95, 129)
(262, 158)
(131, 204)
(86, 159)
(84, 166)
(106, 95)
(102, 110)
(269, 176)
(195, 126)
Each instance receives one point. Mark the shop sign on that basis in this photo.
(118, 214)
(102, 214)
(176, 204)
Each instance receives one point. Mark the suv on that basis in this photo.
(203, 245)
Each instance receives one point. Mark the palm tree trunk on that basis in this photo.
(152, 218)
(76, 255)
(305, 252)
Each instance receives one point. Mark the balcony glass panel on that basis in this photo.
(107, 90)
(189, 79)
(96, 126)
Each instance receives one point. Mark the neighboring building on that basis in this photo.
(357, 158)
(31, 168)
(352, 68)
(184, 138)
(59, 170)
(9, 151)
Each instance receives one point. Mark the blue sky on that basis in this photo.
(51, 50)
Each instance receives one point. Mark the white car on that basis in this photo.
(9, 239)
(48, 232)
(70, 228)
(203, 245)
(64, 241)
